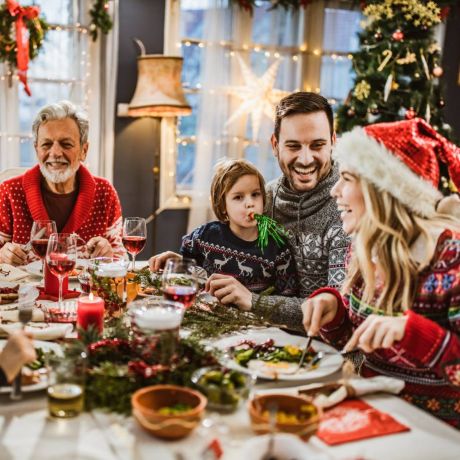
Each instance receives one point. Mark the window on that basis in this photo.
(60, 71)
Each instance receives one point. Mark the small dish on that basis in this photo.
(225, 388)
(149, 406)
(294, 414)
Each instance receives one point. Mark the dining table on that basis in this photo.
(27, 432)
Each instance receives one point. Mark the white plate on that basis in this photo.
(45, 346)
(35, 268)
(331, 362)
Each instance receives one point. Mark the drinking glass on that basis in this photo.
(179, 282)
(66, 385)
(134, 236)
(61, 256)
(39, 236)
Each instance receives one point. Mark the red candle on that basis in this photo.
(90, 310)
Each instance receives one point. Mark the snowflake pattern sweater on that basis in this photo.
(218, 250)
(316, 238)
(428, 357)
(97, 211)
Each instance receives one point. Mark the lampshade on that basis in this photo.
(159, 89)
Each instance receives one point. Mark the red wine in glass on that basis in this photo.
(134, 244)
(60, 266)
(39, 247)
(183, 294)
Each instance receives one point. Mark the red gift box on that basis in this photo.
(353, 420)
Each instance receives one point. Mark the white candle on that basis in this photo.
(158, 318)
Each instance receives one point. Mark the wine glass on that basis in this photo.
(134, 236)
(61, 256)
(39, 236)
(179, 282)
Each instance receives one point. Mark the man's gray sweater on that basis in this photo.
(317, 241)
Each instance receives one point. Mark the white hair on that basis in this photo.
(59, 111)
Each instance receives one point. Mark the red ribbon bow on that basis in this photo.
(22, 37)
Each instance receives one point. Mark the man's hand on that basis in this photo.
(19, 350)
(99, 247)
(229, 291)
(318, 311)
(158, 262)
(12, 253)
(377, 332)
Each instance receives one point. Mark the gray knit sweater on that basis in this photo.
(318, 243)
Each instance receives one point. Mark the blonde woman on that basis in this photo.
(400, 304)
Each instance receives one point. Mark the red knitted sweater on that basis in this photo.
(97, 211)
(428, 357)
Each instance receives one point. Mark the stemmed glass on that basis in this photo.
(179, 282)
(61, 256)
(134, 236)
(39, 236)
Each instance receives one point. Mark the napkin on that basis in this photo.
(11, 273)
(41, 331)
(355, 387)
(13, 315)
(68, 295)
(353, 420)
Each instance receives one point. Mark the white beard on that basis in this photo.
(58, 177)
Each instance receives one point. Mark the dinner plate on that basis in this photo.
(35, 268)
(329, 363)
(45, 346)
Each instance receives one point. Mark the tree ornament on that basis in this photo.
(387, 54)
(268, 227)
(351, 112)
(437, 71)
(416, 75)
(441, 103)
(411, 113)
(362, 90)
(398, 35)
(378, 35)
(388, 87)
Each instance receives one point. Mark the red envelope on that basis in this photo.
(353, 420)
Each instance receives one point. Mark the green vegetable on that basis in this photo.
(175, 409)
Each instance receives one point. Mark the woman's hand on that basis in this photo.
(99, 246)
(19, 350)
(229, 290)
(318, 311)
(377, 332)
(12, 253)
(158, 262)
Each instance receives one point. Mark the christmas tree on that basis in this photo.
(398, 65)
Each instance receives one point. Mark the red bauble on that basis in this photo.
(411, 113)
(398, 35)
(437, 71)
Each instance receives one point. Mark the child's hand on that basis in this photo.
(158, 262)
(229, 291)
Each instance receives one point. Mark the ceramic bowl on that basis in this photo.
(147, 403)
(294, 414)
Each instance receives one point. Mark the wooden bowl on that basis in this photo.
(306, 420)
(147, 401)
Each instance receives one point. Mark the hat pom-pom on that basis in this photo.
(449, 205)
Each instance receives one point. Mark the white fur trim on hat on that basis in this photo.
(370, 159)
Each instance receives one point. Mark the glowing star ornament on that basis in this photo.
(258, 97)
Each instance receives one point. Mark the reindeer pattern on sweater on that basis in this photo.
(218, 250)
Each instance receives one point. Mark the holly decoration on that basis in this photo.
(22, 32)
(268, 227)
(397, 69)
(100, 19)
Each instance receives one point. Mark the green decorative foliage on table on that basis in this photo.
(398, 66)
(100, 19)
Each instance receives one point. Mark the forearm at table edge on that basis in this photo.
(279, 310)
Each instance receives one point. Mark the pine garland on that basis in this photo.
(100, 19)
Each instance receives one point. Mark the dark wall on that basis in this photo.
(137, 140)
(451, 65)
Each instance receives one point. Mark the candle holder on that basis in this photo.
(156, 324)
(108, 281)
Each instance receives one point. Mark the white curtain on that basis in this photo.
(215, 138)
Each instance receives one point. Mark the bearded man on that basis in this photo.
(60, 188)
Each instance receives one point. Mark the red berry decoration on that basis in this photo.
(410, 114)
(398, 35)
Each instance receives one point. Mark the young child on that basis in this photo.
(229, 246)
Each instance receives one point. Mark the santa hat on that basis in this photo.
(401, 158)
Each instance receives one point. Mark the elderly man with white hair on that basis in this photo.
(60, 188)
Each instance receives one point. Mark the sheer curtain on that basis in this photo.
(254, 40)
